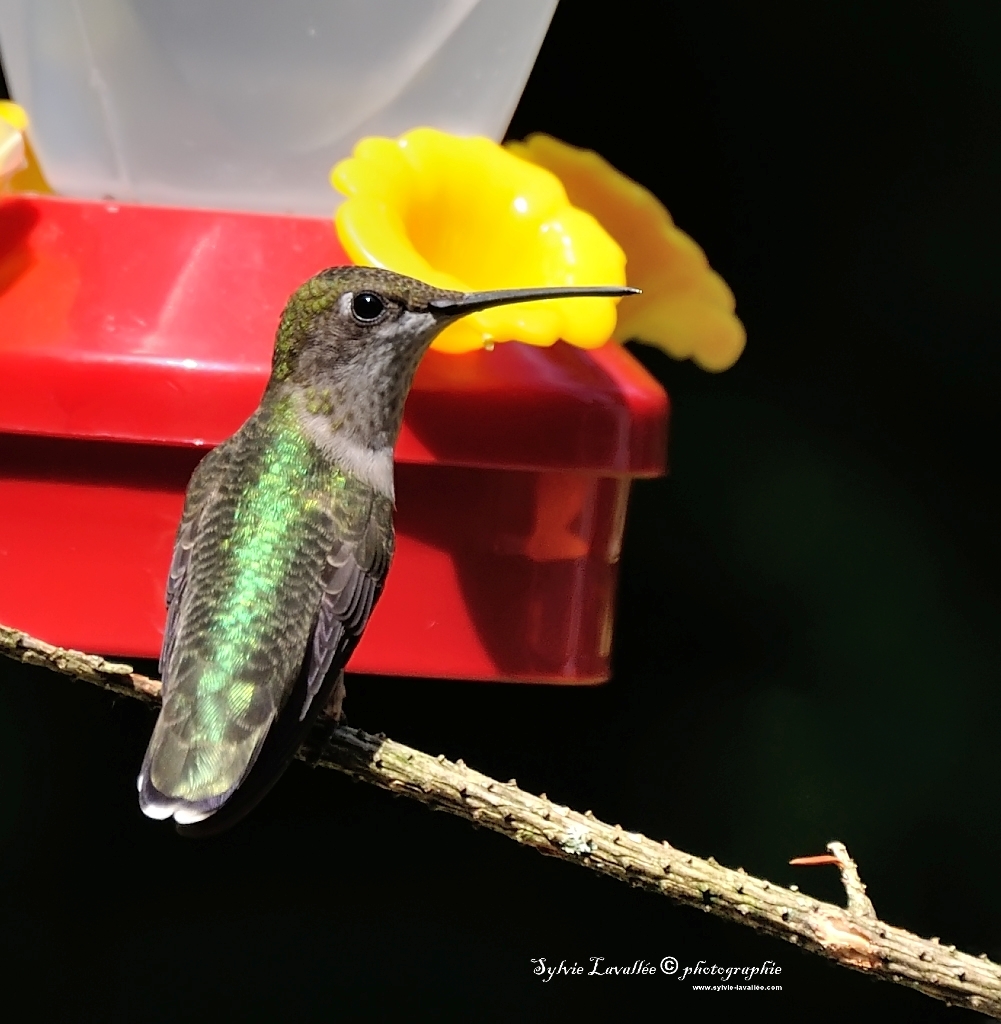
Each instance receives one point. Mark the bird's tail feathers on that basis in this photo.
(187, 775)
(155, 804)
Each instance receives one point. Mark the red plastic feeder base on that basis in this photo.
(132, 339)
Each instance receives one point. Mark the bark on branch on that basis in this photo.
(852, 936)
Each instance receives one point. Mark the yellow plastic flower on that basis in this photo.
(464, 213)
(686, 308)
(28, 177)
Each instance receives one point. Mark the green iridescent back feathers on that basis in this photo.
(270, 512)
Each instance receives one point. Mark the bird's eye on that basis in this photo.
(367, 307)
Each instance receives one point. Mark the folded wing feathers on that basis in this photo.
(349, 593)
(198, 497)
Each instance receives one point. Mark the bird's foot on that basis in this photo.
(331, 720)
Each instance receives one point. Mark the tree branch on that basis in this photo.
(852, 936)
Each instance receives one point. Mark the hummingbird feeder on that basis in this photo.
(190, 149)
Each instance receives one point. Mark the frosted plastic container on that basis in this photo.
(247, 104)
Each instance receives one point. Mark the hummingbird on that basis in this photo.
(286, 538)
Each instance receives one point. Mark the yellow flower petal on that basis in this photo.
(30, 177)
(686, 308)
(14, 115)
(464, 213)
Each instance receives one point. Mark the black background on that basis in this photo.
(808, 641)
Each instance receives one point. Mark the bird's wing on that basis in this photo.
(352, 582)
(201, 489)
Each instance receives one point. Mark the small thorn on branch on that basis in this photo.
(858, 903)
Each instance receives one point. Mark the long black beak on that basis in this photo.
(473, 302)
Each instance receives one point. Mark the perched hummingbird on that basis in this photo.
(286, 539)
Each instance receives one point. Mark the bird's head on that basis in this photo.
(359, 332)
